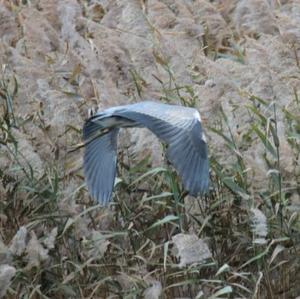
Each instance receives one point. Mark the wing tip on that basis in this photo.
(99, 166)
(198, 184)
(102, 198)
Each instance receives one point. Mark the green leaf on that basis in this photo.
(223, 291)
(224, 268)
(154, 197)
(262, 118)
(230, 143)
(260, 100)
(167, 219)
(265, 140)
(151, 172)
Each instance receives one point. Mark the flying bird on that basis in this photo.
(179, 127)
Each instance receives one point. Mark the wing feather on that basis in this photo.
(100, 158)
(181, 129)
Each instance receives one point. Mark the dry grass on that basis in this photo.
(241, 240)
(252, 234)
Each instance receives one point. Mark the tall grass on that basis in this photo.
(252, 232)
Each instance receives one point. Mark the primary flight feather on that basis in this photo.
(179, 127)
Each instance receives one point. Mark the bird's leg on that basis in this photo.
(86, 142)
(92, 111)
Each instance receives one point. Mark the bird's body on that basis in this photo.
(179, 127)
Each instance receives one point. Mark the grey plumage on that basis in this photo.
(179, 127)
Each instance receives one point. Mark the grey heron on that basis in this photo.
(179, 127)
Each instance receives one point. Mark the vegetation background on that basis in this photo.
(238, 62)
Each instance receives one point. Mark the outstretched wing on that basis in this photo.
(100, 159)
(180, 128)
